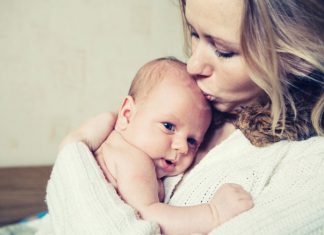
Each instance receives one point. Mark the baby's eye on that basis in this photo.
(169, 126)
(194, 34)
(192, 142)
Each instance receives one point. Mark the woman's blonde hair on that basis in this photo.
(282, 44)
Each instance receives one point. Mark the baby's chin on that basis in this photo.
(161, 174)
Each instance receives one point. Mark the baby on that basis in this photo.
(159, 128)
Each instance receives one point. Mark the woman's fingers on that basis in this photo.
(93, 132)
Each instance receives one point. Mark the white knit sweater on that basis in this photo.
(285, 180)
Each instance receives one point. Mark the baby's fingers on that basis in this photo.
(245, 203)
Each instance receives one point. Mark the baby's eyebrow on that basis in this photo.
(171, 117)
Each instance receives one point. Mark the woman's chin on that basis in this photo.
(232, 107)
(224, 107)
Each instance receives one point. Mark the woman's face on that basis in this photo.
(216, 61)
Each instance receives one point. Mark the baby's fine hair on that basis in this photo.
(152, 73)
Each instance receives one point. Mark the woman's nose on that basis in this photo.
(198, 63)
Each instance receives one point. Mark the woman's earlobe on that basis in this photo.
(125, 113)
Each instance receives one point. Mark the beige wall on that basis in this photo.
(64, 61)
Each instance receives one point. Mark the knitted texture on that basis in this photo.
(81, 201)
(285, 180)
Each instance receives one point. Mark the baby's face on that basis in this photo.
(170, 125)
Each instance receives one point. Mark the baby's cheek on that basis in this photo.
(188, 163)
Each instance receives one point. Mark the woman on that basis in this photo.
(260, 64)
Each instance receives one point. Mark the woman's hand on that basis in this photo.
(93, 132)
(230, 200)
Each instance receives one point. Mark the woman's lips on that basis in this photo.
(209, 97)
(206, 93)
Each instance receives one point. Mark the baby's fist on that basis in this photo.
(230, 200)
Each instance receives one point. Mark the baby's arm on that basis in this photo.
(138, 186)
(229, 201)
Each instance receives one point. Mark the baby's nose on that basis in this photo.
(180, 145)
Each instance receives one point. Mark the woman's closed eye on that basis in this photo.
(225, 55)
(219, 53)
(222, 53)
(169, 126)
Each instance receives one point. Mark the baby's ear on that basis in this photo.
(125, 113)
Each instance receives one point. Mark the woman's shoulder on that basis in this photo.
(313, 145)
(238, 149)
(315, 141)
(285, 151)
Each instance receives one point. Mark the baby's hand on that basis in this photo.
(230, 200)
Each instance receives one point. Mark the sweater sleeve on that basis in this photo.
(291, 203)
(81, 201)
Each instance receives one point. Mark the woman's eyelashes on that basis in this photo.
(218, 53)
(225, 55)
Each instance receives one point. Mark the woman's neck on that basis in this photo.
(213, 138)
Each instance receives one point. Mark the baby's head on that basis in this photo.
(165, 115)
(153, 73)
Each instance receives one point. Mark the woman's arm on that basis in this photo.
(293, 200)
(229, 201)
(93, 132)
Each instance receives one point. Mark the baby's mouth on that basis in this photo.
(168, 165)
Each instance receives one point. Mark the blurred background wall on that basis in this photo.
(62, 62)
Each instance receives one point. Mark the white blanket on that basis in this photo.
(285, 180)
(98, 211)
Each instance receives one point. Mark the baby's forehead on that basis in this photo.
(161, 72)
(174, 72)
(166, 80)
(178, 89)
(165, 67)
